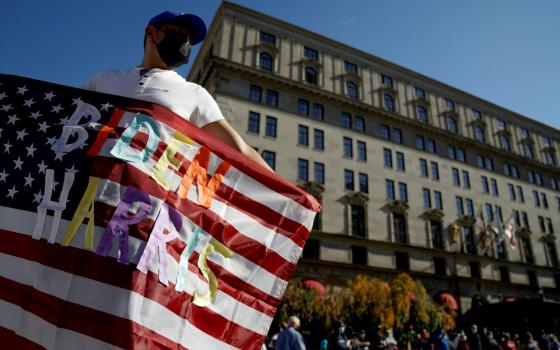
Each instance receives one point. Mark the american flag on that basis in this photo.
(122, 225)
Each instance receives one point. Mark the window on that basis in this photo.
(528, 150)
(311, 249)
(254, 122)
(435, 170)
(303, 107)
(520, 194)
(358, 220)
(525, 220)
(319, 172)
(484, 182)
(552, 253)
(489, 212)
(452, 125)
(489, 163)
(399, 226)
(440, 267)
(390, 189)
(265, 61)
(451, 152)
(352, 90)
(504, 274)
(456, 177)
(303, 135)
(255, 93)
(387, 157)
(554, 183)
(470, 245)
(523, 133)
(400, 161)
(494, 187)
(385, 132)
(437, 234)
(270, 158)
(546, 141)
(532, 277)
(363, 182)
(527, 250)
(318, 111)
(466, 179)
(422, 114)
(311, 76)
(504, 143)
(423, 167)
(388, 102)
(271, 126)
(470, 207)
(359, 124)
(268, 38)
(403, 192)
(459, 205)
(387, 81)
(427, 198)
(461, 155)
(347, 147)
(311, 53)
(501, 252)
(362, 155)
(318, 139)
(549, 226)
(420, 142)
(550, 157)
(431, 146)
(479, 134)
(544, 201)
(397, 135)
(402, 262)
(359, 255)
(536, 199)
(480, 161)
(475, 269)
(303, 169)
(346, 120)
(502, 124)
(531, 176)
(476, 114)
(348, 180)
(449, 104)
(438, 200)
(350, 68)
(511, 191)
(418, 92)
(507, 169)
(272, 98)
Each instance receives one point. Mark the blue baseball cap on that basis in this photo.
(194, 23)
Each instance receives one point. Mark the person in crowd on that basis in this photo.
(408, 338)
(274, 338)
(491, 342)
(338, 340)
(544, 341)
(290, 338)
(440, 339)
(475, 342)
(462, 341)
(506, 342)
(359, 341)
(424, 342)
(554, 344)
(531, 343)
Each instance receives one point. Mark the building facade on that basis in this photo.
(401, 163)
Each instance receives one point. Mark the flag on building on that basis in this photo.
(509, 231)
(123, 225)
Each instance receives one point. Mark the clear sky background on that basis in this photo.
(504, 51)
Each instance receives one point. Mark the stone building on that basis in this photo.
(401, 162)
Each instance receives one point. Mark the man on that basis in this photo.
(475, 342)
(290, 338)
(167, 44)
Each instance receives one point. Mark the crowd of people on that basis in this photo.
(346, 338)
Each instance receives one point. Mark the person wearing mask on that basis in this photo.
(290, 338)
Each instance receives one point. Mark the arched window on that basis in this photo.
(389, 102)
(265, 60)
(452, 125)
(311, 76)
(422, 114)
(479, 134)
(352, 89)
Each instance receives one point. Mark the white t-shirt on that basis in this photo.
(161, 86)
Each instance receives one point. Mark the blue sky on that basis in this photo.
(504, 51)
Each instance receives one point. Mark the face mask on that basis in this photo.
(340, 330)
(173, 50)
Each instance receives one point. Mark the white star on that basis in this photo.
(57, 109)
(6, 108)
(49, 96)
(19, 163)
(22, 90)
(7, 147)
(43, 127)
(12, 192)
(31, 150)
(2, 96)
(51, 140)
(29, 102)
(63, 121)
(71, 170)
(12, 119)
(42, 167)
(94, 125)
(106, 106)
(3, 175)
(21, 134)
(35, 115)
(77, 100)
(58, 156)
(38, 197)
(28, 180)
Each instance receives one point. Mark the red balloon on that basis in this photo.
(315, 286)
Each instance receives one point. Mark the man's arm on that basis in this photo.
(223, 131)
